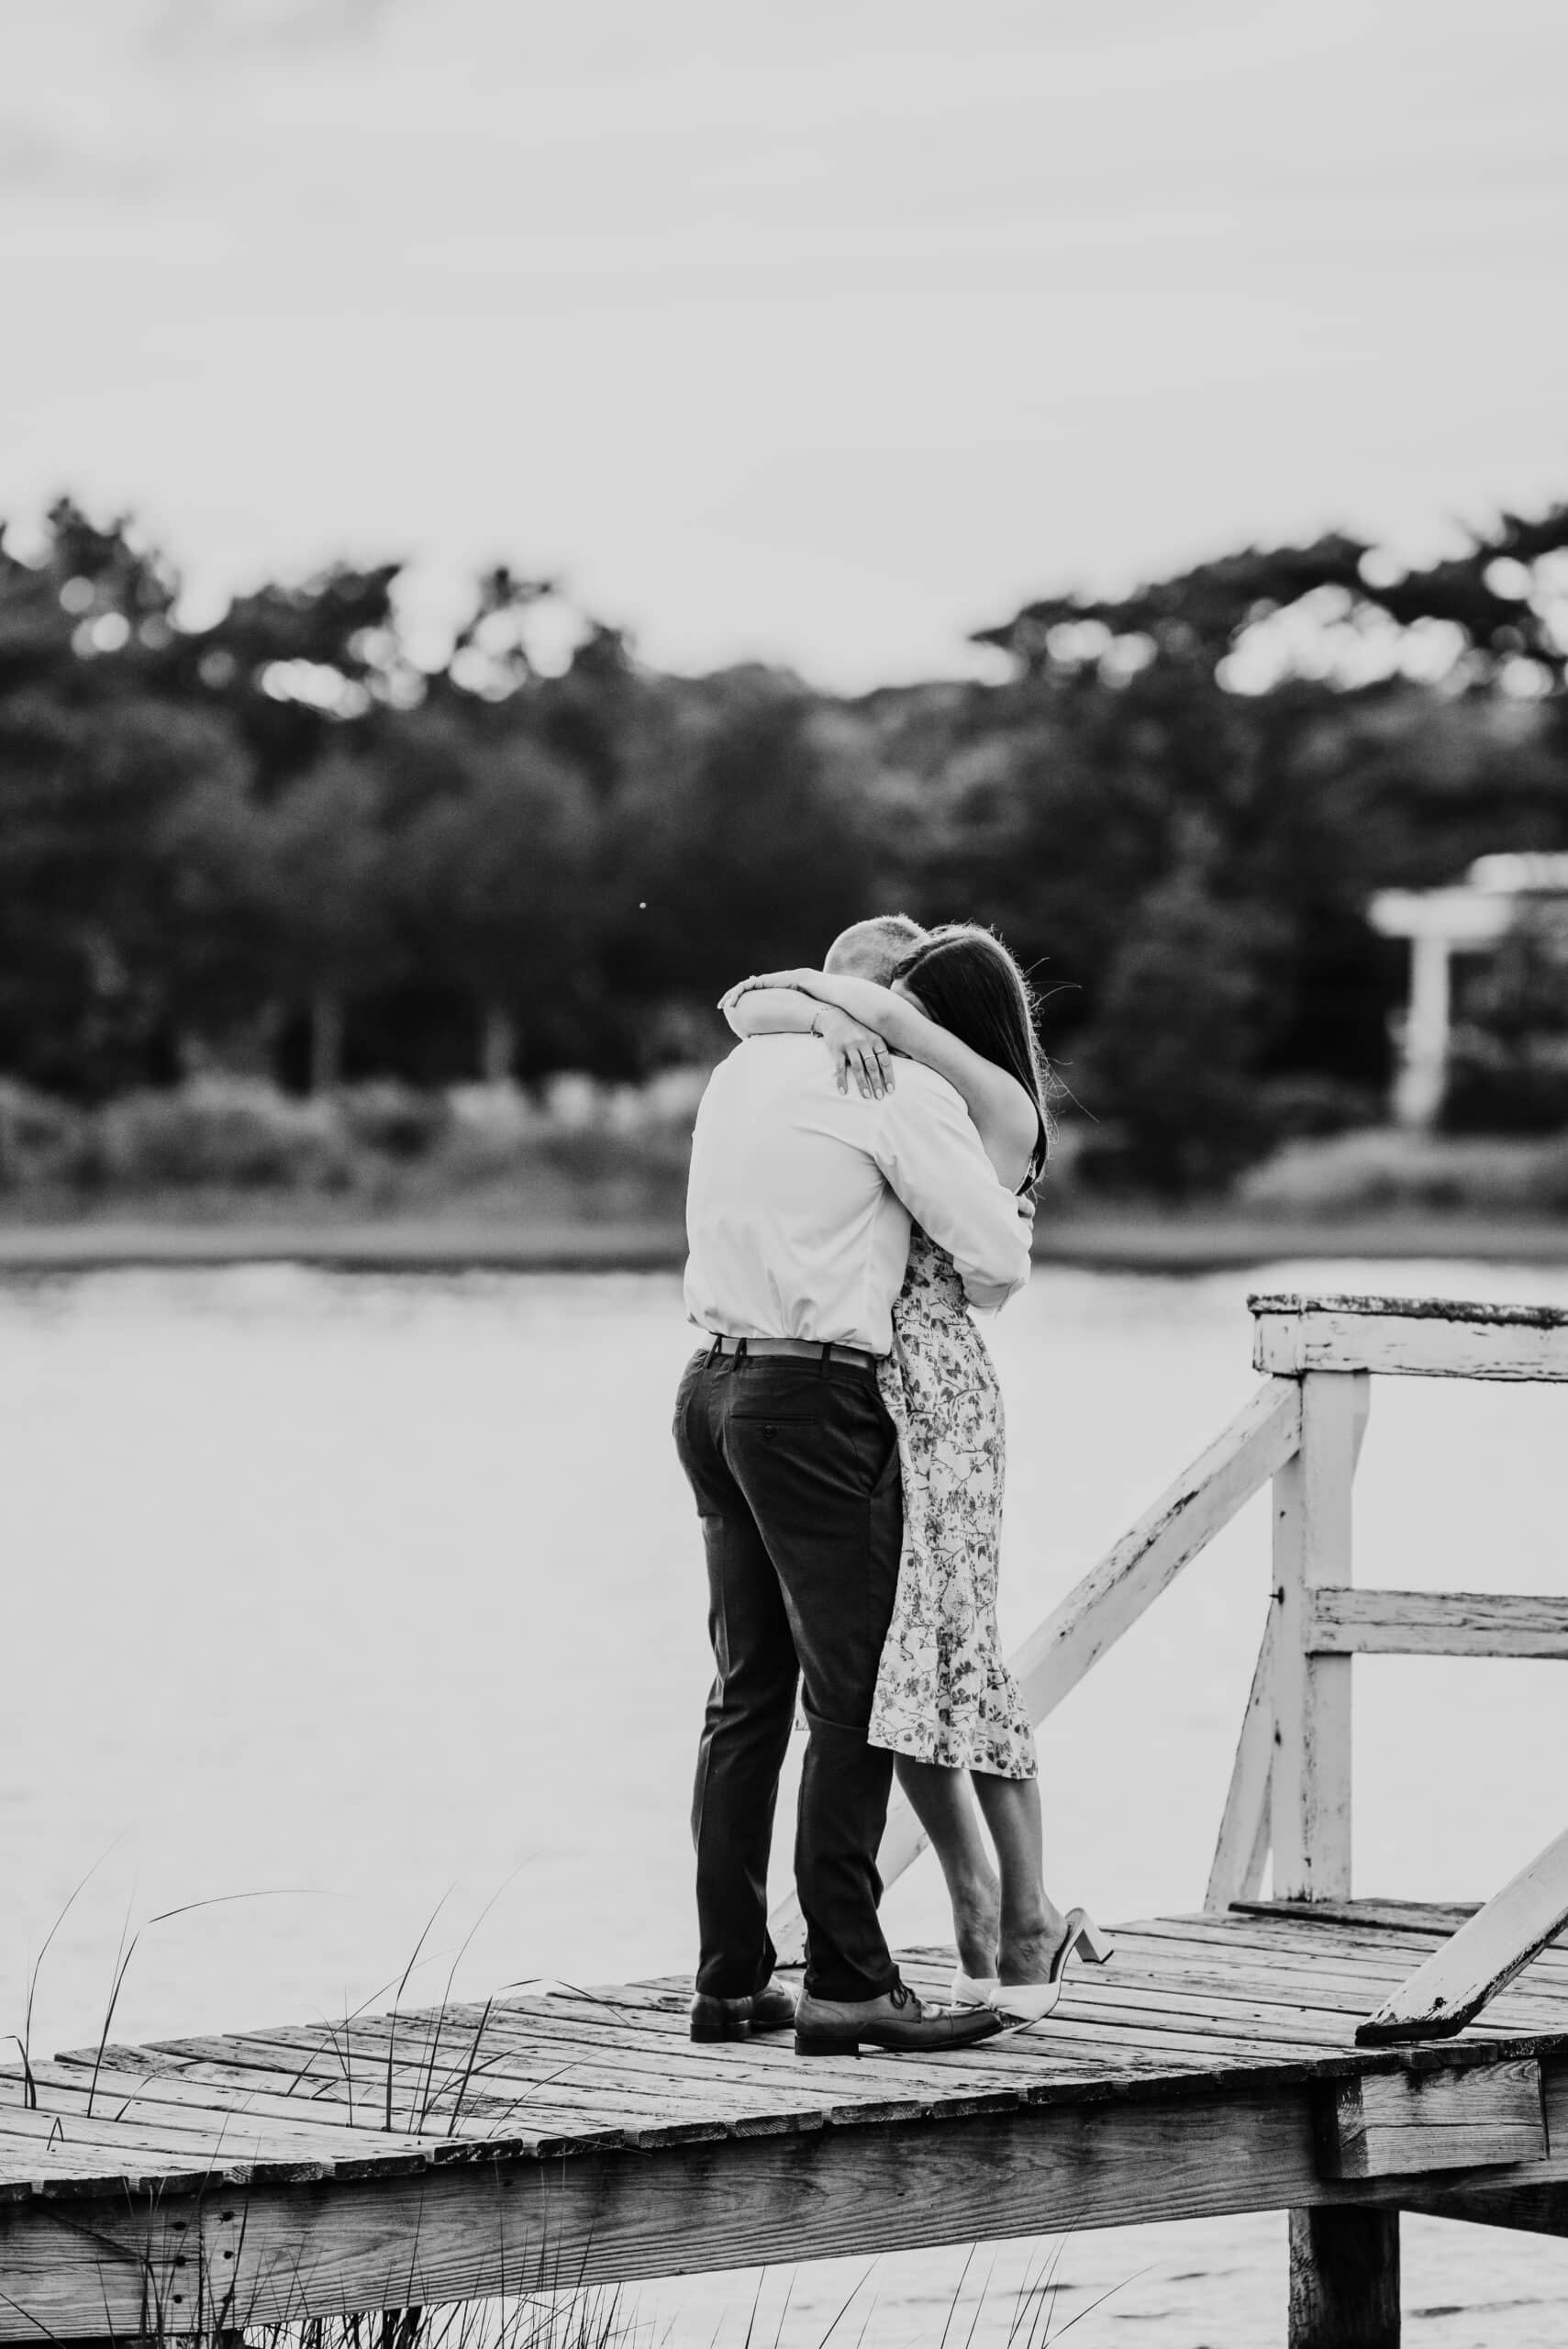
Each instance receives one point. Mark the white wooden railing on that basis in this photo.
(1290, 1786)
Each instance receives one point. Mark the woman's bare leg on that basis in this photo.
(1032, 1925)
(945, 1808)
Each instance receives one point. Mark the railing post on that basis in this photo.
(1310, 1804)
(1344, 2264)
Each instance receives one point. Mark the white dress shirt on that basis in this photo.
(797, 1214)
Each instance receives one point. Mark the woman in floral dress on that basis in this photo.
(946, 1704)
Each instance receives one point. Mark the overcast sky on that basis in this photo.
(820, 331)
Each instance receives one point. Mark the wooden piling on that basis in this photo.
(1344, 2279)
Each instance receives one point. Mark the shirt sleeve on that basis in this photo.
(932, 1157)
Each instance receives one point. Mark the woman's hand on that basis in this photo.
(859, 1053)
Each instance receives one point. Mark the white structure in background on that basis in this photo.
(1441, 923)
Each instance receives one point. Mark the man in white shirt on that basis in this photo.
(799, 1217)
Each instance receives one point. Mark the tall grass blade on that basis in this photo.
(452, 1976)
(26, 2041)
(402, 1985)
(122, 1960)
(1107, 2295)
(468, 2069)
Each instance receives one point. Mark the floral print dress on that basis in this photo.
(943, 1693)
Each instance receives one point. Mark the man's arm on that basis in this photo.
(931, 1155)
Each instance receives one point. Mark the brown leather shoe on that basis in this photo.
(770, 2008)
(895, 2022)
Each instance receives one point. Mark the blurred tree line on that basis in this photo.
(276, 842)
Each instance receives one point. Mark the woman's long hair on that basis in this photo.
(967, 981)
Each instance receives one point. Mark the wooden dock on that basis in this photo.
(1339, 2059)
(212, 2183)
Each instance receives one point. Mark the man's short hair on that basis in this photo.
(875, 948)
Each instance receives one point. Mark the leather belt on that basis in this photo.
(807, 1349)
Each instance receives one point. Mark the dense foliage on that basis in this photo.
(273, 843)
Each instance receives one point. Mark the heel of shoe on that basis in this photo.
(1090, 1942)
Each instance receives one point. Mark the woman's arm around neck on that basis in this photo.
(1001, 1109)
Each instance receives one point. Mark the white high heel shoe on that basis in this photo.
(975, 1990)
(1021, 2003)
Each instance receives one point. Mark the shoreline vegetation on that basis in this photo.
(275, 841)
(581, 1175)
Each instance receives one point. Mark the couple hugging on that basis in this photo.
(861, 1176)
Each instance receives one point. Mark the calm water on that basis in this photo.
(356, 1597)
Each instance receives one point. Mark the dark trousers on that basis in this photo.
(795, 1466)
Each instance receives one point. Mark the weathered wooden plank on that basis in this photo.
(1461, 1975)
(741, 2085)
(602, 2118)
(1215, 2011)
(1301, 1963)
(1537, 2209)
(1311, 1779)
(579, 2061)
(1243, 1958)
(218, 2087)
(1176, 2037)
(1418, 1337)
(787, 2087)
(665, 1993)
(1375, 1953)
(420, 2070)
(1439, 1917)
(703, 2072)
(548, 2121)
(1248, 1936)
(1331, 1926)
(1435, 1623)
(46, 2146)
(1113, 1596)
(1233, 2002)
(596, 2073)
(1289, 1984)
(26, 2158)
(989, 2077)
(1262, 1925)
(216, 2115)
(662, 2019)
(1216, 2045)
(1241, 1848)
(158, 2137)
(769, 2069)
(1396, 2123)
(474, 2232)
(1216, 2015)
(1543, 2013)
(517, 2109)
(1323, 2034)
(1235, 2005)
